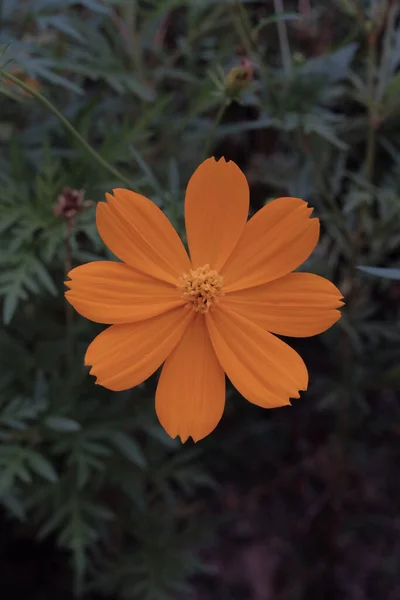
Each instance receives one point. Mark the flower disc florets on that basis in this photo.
(201, 288)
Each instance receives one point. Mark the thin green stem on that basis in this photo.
(242, 24)
(69, 316)
(370, 153)
(47, 104)
(371, 135)
(243, 27)
(130, 12)
(283, 39)
(214, 127)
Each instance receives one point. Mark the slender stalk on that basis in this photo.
(214, 127)
(131, 12)
(370, 154)
(318, 171)
(283, 39)
(69, 316)
(47, 104)
(243, 27)
(242, 24)
(369, 168)
(371, 135)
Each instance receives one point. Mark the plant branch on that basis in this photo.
(69, 316)
(372, 121)
(213, 129)
(283, 39)
(47, 104)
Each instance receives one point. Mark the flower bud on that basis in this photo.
(238, 79)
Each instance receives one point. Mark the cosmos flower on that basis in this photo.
(212, 314)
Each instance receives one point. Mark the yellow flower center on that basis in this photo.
(201, 288)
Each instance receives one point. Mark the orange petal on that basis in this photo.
(278, 239)
(190, 396)
(216, 209)
(111, 292)
(265, 370)
(136, 231)
(298, 304)
(126, 354)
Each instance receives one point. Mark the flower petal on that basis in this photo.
(190, 396)
(298, 304)
(137, 231)
(111, 292)
(216, 209)
(126, 354)
(265, 370)
(278, 239)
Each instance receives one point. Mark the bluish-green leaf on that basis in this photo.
(61, 424)
(41, 466)
(129, 448)
(384, 272)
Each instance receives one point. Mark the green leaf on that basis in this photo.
(41, 466)
(347, 7)
(129, 448)
(62, 23)
(61, 424)
(275, 19)
(384, 272)
(22, 272)
(392, 96)
(12, 467)
(333, 67)
(327, 133)
(39, 68)
(45, 278)
(53, 522)
(14, 505)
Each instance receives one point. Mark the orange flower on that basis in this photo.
(212, 314)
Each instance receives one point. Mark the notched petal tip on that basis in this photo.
(222, 160)
(184, 438)
(302, 205)
(287, 402)
(264, 369)
(190, 396)
(213, 162)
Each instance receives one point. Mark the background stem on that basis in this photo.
(47, 104)
(213, 128)
(283, 39)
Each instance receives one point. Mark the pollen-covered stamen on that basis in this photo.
(201, 287)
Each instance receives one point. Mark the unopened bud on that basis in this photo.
(70, 203)
(239, 78)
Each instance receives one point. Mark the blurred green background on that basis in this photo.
(297, 503)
